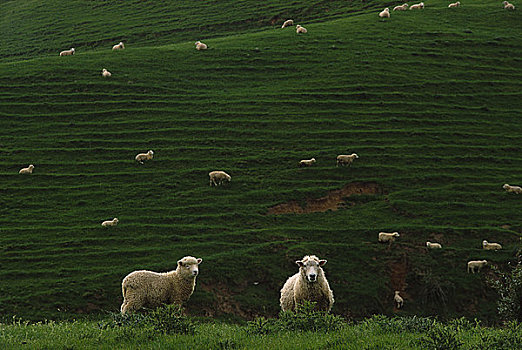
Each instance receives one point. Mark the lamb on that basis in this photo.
(112, 222)
(288, 23)
(476, 265)
(105, 73)
(28, 170)
(399, 301)
(454, 4)
(491, 246)
(152, 289)
(385, 13)
(119, 46)
(433, 245)
(512, 189)
(417, 6)
(68, 52)
(508, 6)
(344, 159)
(309, 284)
(217, 177)
(300, 29)
(200, 45)
(144, 156)
(307, 162)
(385, 237)
(402, 7)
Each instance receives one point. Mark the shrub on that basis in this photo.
(441, 337)
(400, 324)
(508, 338)
(509, 287)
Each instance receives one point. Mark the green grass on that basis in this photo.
(430, 100)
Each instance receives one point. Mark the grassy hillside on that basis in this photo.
(430, 100)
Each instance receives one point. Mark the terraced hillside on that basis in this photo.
(430, 100)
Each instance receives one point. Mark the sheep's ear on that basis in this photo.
(299, 263)
(180, 262)
(199, 260)
(322, 262)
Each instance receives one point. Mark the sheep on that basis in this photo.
(402, 7)
(309, 284)
(433, 245)
(119, 46)
(307, 162)
(299, 29)
(28, 170)
(144, 156)
(454, 4)
(512, 189)
(112, 222)
(152, 289)
(491, 246)
(68, 52)
(508, 6)
(476, 264)
(385, 13)
(200, 45)
(288, 23)
(399, 301)
(417, 6)
(217, 177)
(385, 237)
(344, 159)
(105, 73)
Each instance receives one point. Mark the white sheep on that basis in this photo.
(346, 159)
(476, 265)
(309, 284)
(105, 73)
(512, 189)
(508, 6)
(300, 29)
(112, 222)
(433, 245)
(118, 46)
(28, 170)
(385, 237)
(200, 45)
(217, 177)
(68, 52)
(454, 4)
(152, 289)
(491, 246)
(385, 13)
(144, 156)
(288, 23)
(402, 7)
(418, 6)
(307, 162)
(399, 301)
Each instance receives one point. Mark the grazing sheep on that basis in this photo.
(112, 222)
(119, 46)
(67, 52)
(300, 29)
(288, 23)
(433, 245)
(454, 4)
(512, 189)
(417, 6)
(508, 6)
(144, 156)
(28, 170)
(217, 177)
(200, 45)
(307, 162)
(385, 237)
(402, 7)
(399, 301)
(346, 159)
(385, 13)
(152, 289)
(491, 246)
(476, 265)
(309, 284)
(105, 73)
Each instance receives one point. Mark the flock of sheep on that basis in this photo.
(386, 12)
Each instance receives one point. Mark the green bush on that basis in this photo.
(400, 324)
(441, 337)
(508, 338)
(509, 287)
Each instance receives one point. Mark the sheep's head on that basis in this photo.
(354, 155)
(405, 5)
(396, 234)
(72, 49)
(298, 26)
(428, 244)
(150, 153)
(484, 243)
(115, 220)
(505, 3)
(312, 160)
(197, 43)
(397, 292)
(506, 186)
(310, 267)
(387, 9)
(31, 167)
(228, 177)
(189, 266)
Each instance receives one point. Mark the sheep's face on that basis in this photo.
(354, 155)
(396, 234)
(189, 266)
(310, 267)
(31, 167)
(150, 153)
(506, 186)
(484, 242)
(115, 220)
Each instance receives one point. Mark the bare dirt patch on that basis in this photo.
(332, 201)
